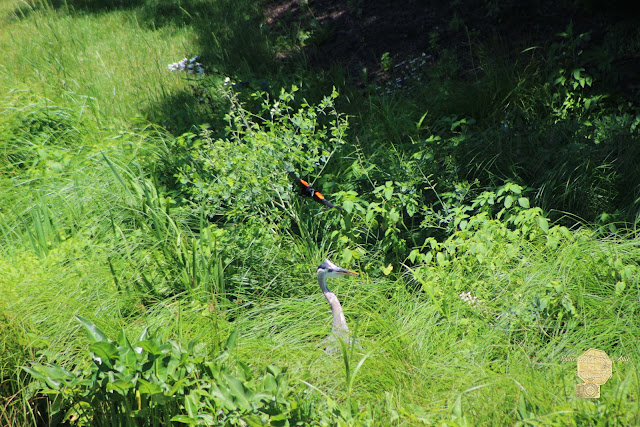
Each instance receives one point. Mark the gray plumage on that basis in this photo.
(325, 270)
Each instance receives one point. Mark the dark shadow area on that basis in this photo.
(233, 43)
(357, 34)
(231, 36)
(283, 41)
(267, 38)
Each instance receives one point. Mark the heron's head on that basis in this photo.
(329, 269)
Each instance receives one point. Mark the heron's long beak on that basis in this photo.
(346, 272)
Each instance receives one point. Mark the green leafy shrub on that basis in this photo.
(501, 220)
(499, 230)
(155, 382)
(486, 268)
(375, 223)
(240, 181)
(546, 121)
(244, 175)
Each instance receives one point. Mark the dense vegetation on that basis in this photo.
(157, 264)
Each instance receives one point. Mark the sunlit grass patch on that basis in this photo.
(109, 63)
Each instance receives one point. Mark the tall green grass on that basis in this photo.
(492, 362)
(109, 65)
(88, 228)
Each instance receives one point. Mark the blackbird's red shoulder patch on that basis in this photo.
(307, 190)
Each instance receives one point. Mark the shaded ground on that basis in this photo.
(357, 33)
(371, 37)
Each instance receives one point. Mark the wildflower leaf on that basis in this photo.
(387, 270)
(508, 201)
(347, 205)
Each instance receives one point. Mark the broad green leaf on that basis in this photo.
(122, 340)
(35, 373)
(370, 214)
(154, 347)
(508, 201)
(246, 370)
(94, 334)
(524, 202)
(254, 420)
(224, 398)
(347, 205)
(544, 224)
(177, 386)
(274, 370)
(191, 404)
(269, 383)
(144, 335)
(148, 388)
(411, 208)
(231, 341)
(161, 368)
(394, 216)
(279, 417)
(52, 375)
(628, 272)
(346, 256)
(388, 193)
(457, 407)
(127, 357)
(120, 385)
(185, 419)
(105, 350)
(239, 392)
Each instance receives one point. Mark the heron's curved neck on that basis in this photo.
(323, 283)
(339, 321)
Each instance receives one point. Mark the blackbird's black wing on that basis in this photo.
(308, 191)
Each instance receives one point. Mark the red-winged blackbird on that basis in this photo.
(309, 191)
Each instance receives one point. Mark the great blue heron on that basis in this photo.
(329, 269)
